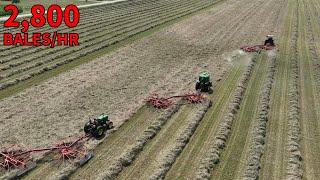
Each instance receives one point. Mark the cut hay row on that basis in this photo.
(99, 20)
(103, 20)
(127, 157)
(182, 140)
(108, 149)
(90, 14)
(20, 70)
(98, 45)
(294, 164)
(309, 91)
(88, 33)
(313, 30)
(100, 38)
(212, 158)
(161, 152)
(272, 162)
(82, 10)
(252, 164)
(238, 24)
(95, 23)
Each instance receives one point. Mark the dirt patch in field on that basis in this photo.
(117, 84)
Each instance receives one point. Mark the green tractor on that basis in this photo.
(204, 84)
(96, 127)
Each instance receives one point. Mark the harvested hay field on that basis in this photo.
(262, 122)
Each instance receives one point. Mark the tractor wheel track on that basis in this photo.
(99, 23)
(273, 161)
(175, 170)
(223, 94)
(233, 154)
(29, 72)
(309, 99)
(158, 149)
(14, 67)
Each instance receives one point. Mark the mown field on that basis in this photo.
(264, 119)
(97, 29)
(26, 5)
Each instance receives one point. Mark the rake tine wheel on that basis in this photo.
(158, 102)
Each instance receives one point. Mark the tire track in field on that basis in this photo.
(315, 17)
(233, 153)
(217, 145)
(257, 135)
(82, 28)
(242, 29)
(91, 28)
(54, 55)
(162, 151)
(293, 146)
(309, 99)
(49, 64)
(314, 46)
(117, 160)
(190, 157)
(272, 165)
(157, 151)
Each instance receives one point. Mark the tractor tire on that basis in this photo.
(87, 128)
(99, 132)
(110, 125)
(198, 86)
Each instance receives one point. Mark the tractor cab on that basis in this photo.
(204, 77)
(103, 118)
(269, 41)
(204, 84)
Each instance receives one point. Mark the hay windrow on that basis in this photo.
(97, 41)
(213, 156)
(252, 164)
(9, 175)
(294, 164)
(131, 153)
(315, 56)
(126, 158)
(181, 142)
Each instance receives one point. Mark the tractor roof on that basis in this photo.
(102, 116)
(204, 74)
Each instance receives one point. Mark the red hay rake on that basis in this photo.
(159, 102)
(162, 103)
(71, 149)
(14, 156)
(257, 48)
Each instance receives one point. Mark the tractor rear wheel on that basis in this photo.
(99, 132)
(198, 86)
(87, 128)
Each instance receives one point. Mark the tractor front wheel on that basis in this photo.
(110, 125)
